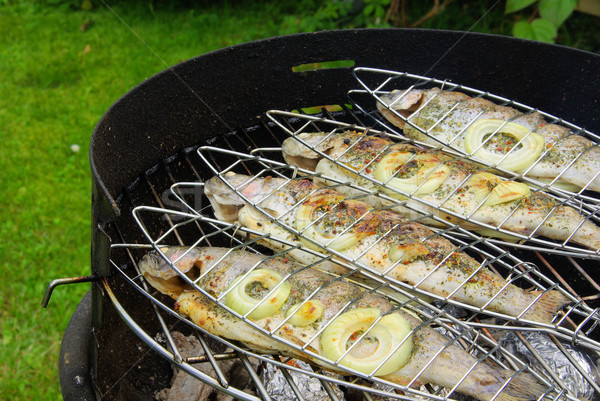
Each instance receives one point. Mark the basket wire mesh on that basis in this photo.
(475, 330)
(473, 337)
(515, 270)
(376, 84)
(501, 233)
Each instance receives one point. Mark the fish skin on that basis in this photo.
(520, 216)
(442, 364)
(563, 145)
(442, 271)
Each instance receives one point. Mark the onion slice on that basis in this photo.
(380, 346)
(482, 184)
(490, 190)
(240, 301)
(507, 191)
(305, 313)
(327, 235)
(429, 175)
(527, 148)
(406, 253)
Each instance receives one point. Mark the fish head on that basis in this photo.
(310, 150)
(164, 269)
(160, 268)
(299, 150)
(230, 192)
(403, 102)
(223, 197)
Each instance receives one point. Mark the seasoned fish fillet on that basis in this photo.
(448, 116)
(411, 353)
(380, 239)
(455, 184)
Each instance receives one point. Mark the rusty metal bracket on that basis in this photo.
(69, 280)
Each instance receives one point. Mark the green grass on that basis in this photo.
(56, 81)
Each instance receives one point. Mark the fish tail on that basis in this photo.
(545, 307)
(520, 387)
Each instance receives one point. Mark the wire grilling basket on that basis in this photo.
(442, 113)
(488, 338)
(479, 336)
(507, 226)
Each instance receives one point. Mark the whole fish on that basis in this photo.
(345, 312)
(380, 239)
(453, 119)
(441, 180)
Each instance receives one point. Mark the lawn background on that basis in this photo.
(61, 67)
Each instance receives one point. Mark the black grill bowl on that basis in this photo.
(219, 92)
(192, 100)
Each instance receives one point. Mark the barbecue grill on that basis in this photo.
(154, 147)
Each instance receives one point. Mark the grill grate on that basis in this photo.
(179, 216)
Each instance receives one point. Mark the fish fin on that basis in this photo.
(546, 306)
(520, 387)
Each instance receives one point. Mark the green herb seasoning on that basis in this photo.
(501, 143)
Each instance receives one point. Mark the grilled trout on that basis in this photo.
(383, 339)
(490, 132)
(380, 239)
(441, 180)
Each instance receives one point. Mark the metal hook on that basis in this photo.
(69, 280)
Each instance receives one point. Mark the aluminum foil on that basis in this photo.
(557, 361)
(310, 387)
